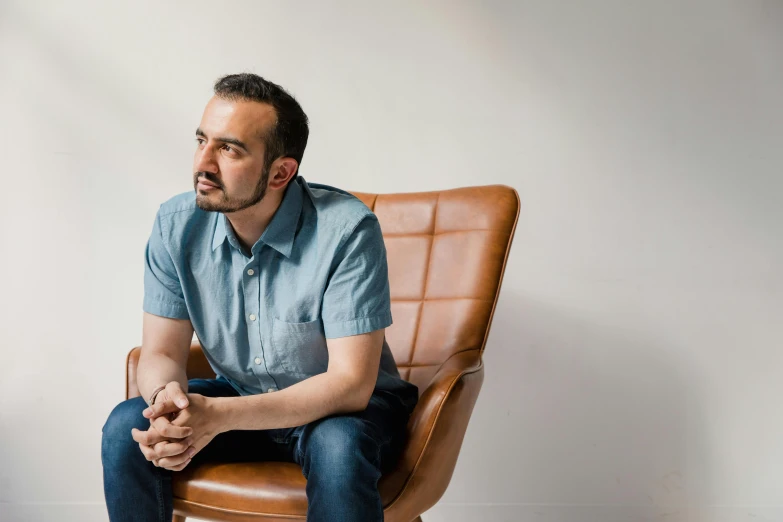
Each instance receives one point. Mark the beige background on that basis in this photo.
(633, 372)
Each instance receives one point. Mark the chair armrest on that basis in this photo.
(435, 433)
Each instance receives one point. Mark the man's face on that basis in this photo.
(229, 169)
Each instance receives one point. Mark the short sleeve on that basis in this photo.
(356, 299)
(163, 294)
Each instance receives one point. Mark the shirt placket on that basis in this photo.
(251, 285)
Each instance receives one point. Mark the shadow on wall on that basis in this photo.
(577, 410)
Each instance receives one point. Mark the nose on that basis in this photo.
(204, 160)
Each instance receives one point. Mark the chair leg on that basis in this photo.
(181, 518)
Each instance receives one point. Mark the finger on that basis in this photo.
(175, 393)
(181, 466)
(148, 438)
(171, 431)
(148, 452)
(174, 460)
(169, 449)
(160, 408)
(139, 436)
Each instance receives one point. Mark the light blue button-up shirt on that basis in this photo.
(318, 271)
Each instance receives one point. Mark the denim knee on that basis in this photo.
(339, 444)
(124, 417)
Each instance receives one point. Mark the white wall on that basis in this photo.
(634, 367)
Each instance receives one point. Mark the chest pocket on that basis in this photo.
(300, 348)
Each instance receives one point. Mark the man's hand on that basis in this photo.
(200, 416)
(164, 452)
(165, 444)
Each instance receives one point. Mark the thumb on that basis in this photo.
(175, 394)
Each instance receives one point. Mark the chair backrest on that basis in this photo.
(446, 251)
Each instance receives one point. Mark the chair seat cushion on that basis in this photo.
(256, 487)
(275, 488)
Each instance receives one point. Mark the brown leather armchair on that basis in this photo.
(447, 252)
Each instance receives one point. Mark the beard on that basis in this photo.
(220, 201)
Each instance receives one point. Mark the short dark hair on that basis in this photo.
(289, 135)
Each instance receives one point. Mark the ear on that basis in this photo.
(281, 172)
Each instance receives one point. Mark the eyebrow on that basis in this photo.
(224, 139)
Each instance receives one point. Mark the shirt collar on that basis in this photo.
(280, 232)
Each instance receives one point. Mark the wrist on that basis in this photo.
(220, 409)
(155, 393)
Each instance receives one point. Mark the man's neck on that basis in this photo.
(249, 224)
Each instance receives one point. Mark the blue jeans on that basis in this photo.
(342, 457)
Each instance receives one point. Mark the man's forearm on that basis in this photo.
(302, 403)
(156, 370)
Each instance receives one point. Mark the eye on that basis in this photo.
(231, 152)
(200, 140)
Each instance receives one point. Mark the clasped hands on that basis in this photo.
(181, 425)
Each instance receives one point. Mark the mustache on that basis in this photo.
(208, 177)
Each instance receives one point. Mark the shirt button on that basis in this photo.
(250, 272)
(252, 317)
(270, 390)
(258, 360)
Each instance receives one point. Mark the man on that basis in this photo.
(285, 283)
